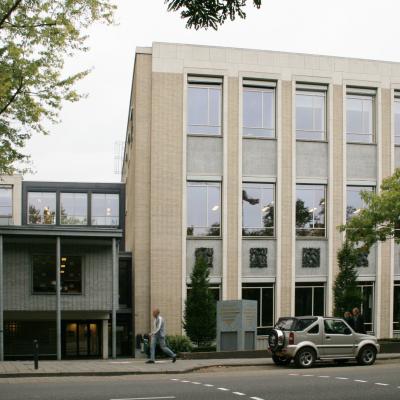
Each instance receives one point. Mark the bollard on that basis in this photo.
(36, 353)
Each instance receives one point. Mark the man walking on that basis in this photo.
(359, 323)
(158, 336)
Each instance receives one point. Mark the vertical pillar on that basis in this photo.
(58, 296)
(1, 301)
(105, 339)
(114, 297)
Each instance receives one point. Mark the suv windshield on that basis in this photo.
(294, 324)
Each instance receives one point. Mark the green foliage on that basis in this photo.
(200, 308)
(345, 291)
(209, 13)
(35, 38)
(179, 344)
(380, 219)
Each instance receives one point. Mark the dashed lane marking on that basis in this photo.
(196, 383)
(323, 376)
(381, 384)
(308, 375)
(342, 378)
(360, 380)
(223, 389)
(256, 398)
(208, 385)
(239, 394)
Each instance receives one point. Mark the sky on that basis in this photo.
(81, 147)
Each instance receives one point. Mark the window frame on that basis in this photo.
(82, 258)
(348, 188)
(88, 206)
(9, 217)
(360, 94)
(313, 92)
(311, 286)
(325, 229)
(261, 287)
(258, 87)
(396, 101)
(206, 184)
(273, 228)
(396, 286)
(362, 285)
(205, 84)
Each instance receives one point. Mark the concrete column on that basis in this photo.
(1, 301)
(58, 296)
(105, 339)
(114, 297)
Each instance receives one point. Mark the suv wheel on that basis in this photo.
(367, 355)
(305, 358)
(280, 361)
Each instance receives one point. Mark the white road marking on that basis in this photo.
(294, 374)
(381, 384)
(185, 381)
(224, 389)
(323, 376)
(308, 375)
(256, 398)
(360, 380)
(174, 379)
(341, 378)
(239, 393)
(147, 398)
(196, 383)
(208, 385)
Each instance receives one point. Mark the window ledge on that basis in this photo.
(259, 237)
(259, 138)
(206, 136)
(204, 237)
(364, 144)
(325, 238)
(311, 141)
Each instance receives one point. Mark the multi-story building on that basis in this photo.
(65, 279)
(255, 158)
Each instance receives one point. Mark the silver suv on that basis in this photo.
(308, 339)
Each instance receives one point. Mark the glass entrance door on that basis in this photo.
(82, 339)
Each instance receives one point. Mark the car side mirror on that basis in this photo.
(347, 331)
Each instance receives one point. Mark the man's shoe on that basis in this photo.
(174, 359)
(150, 362)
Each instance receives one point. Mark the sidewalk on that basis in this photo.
(22, 369)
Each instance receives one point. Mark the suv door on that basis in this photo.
(338, 339)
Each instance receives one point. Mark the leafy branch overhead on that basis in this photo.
(36, 36)
(209, 13)
(380, 219)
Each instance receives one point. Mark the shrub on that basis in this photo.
(179, 344)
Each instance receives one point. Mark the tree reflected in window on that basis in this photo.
(41, 208)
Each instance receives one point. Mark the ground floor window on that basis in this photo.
(264, 295)
(215, 290)
(396, 307)
(367, 305)
(310, 299)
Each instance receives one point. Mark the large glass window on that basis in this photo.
(41, 208)
(310, 115)
(354, 201)
(310, 300)
(367, 305)
(396, 307)
(310, 210)
(44, 274)
(203, 209)
(73, 208)
(258, 209)
(204, 109)
(360, 118)
(258, 112)
(264, 295)
(105, 209)
(397, 120)
(6, 206)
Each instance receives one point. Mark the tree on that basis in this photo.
(200, 308)
(380, 219)
(35, 38)
(345, 291)
(209, 13)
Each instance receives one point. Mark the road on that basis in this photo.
(381, 381)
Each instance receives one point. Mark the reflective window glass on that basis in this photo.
(258, 209)
(354, 201)
(41, 208)
(310, 210)
(105, 209)
(203, 209)
(73, 208)
(310, 115)
(360, 118)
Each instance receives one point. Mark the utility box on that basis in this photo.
(236, 325)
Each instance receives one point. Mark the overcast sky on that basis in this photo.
(81, 147)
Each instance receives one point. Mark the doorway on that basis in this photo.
(81, 339)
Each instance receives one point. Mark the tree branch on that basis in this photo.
(7, 15)
(33, 25)
(13, 97)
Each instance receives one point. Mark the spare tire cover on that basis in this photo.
(276, 339)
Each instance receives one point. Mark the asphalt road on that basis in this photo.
(381, 381)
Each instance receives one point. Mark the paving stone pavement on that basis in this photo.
(10, 369)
